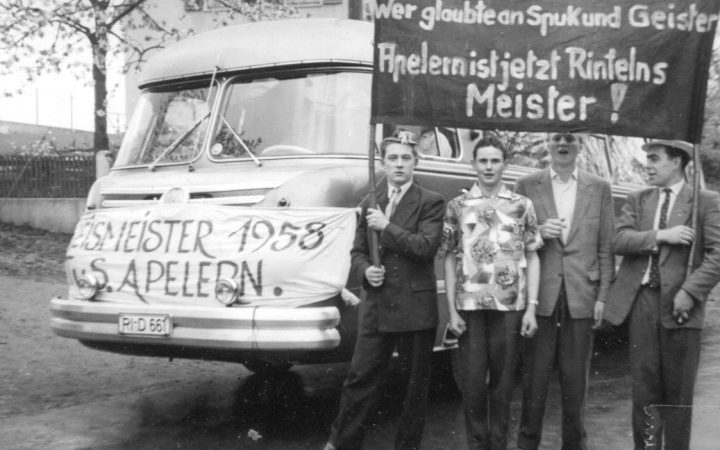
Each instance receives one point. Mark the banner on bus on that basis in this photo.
(178, 252)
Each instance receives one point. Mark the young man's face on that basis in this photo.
(398, 163)
(489, 165)
(660, 169)
(564, 148)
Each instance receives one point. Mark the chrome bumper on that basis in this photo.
(237, 328)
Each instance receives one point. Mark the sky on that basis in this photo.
(61, 100)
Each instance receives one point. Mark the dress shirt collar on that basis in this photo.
(556, 177)
(403, 189)
(475, 192)
(675, 188)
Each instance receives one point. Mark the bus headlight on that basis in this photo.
(87, 286)
(227, 291)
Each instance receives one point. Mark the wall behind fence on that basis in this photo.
(45, 191)
(59, 215)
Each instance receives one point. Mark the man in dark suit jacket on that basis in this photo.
(400, 309)
(665, 309)
(575, 213)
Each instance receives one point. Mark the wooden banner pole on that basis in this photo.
(373, 236)
(697, 174)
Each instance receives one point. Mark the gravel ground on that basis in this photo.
(31, 253)
(49, 381)
(43, 372)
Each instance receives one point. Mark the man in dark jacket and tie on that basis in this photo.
(665, 309)
(400, 310)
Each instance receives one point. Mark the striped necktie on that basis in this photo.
(392, 202)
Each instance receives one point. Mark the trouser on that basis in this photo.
(568, 342)
(664, 366)
(368, 368)
(488, 355)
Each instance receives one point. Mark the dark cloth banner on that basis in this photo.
(615, 67)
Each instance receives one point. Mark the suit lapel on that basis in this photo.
(582, 201)
(649, 207)
(680, 215)
(382, 198)
(546, 194)
(406, 206)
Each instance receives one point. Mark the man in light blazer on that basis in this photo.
(400, 309)
(576, 217)
(664, 308)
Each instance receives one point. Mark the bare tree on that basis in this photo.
(39, 37)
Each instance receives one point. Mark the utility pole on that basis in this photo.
(72, 124)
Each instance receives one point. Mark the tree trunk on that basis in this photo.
(100, 141)
(355, 9)
(99, 48)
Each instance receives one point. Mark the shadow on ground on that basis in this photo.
(284, 410)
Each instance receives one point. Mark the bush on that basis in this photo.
(711, 168)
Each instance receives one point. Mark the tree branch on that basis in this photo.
(128, 9)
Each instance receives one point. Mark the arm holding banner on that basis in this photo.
(363, 251)
(422, 244)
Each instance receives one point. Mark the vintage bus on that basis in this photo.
(255, 117)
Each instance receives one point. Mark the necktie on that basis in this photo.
(392, 203)
(654, 279)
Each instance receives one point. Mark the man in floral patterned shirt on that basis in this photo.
(492, 273)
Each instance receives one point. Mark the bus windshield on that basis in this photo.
(317, 113)
(167, 126)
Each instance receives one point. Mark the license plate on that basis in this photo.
(145, 324)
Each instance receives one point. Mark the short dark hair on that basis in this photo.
(491, 141)
(673, 152)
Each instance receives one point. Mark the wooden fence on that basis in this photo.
(46, 176)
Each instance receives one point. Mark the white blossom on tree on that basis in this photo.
(78, 36)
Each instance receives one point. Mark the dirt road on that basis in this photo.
(58, 394)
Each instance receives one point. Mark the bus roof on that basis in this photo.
(263, 44)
